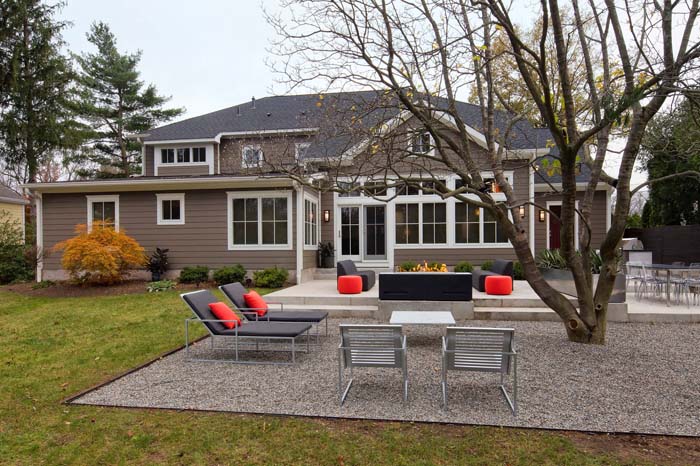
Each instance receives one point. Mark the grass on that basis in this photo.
(51, 348)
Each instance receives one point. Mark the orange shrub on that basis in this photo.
(101, 256)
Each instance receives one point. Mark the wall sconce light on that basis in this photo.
(541, 215)
(326, 216)
(521, 211)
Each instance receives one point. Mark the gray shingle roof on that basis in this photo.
(8, 193)
(289, 112)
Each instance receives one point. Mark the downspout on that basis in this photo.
(531, 210)
(300, 229)
(38, 201)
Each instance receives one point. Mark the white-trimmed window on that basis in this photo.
(171, 208)
(167, 156)
(103, 209)
(310, 223)
(421, 143)
(183, 155)
(434, 223)
(251, 156)
(407, 223)
(475, 225)
(199, 154)
(301, 149)
(259, 220)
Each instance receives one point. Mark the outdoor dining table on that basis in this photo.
(668, 268)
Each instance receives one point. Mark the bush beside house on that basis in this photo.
(100, 256)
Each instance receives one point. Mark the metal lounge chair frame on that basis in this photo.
(481, 349)
(246, 311)
(238, 339)
(371, 346)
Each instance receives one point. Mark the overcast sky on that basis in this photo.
(206, 54)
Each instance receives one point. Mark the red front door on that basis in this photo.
(554, 227)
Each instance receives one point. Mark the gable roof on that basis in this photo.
(9, 196)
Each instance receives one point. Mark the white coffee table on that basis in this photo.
(422, 318)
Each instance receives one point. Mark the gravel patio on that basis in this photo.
(645, 380)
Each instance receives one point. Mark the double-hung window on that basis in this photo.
(171, 208)
(199, 154)
(421, 143)
(167, 155)
(434, 223)
(103, 211)
(183, 155)
(310, 223)
(259, 221)
(407, 224)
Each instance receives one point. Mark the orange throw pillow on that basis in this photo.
(254, 301)
(222, 312)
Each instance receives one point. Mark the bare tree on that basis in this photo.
(592, 69)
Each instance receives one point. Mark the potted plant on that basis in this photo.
(157, 264)
(326, 253)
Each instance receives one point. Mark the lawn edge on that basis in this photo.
(70, 399)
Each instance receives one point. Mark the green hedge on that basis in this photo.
(195, 274)
(274, 277)
(230, 274)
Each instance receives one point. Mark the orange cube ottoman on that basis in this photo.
(498, 285)
(349, 284)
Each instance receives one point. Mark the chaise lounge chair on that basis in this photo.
(255, 331)
(235, 291)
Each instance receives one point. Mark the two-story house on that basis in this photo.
(215, 190)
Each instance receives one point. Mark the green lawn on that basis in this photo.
(51, 348)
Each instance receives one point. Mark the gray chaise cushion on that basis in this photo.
(295, 316)
(235, 292)
(347, 267)
(269, 329)
(199, 303)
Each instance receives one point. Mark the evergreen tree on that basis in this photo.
(115, 103)
(671, 146)
(35, 88)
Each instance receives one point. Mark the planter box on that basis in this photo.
(563, 282)
(425, 286)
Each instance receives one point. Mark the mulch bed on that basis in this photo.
(65, 289)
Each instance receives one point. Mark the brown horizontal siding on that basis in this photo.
(310, 261)
(183, 170)
(149, 161)
(450, 256)
(203, 240)
(327, 233)
(597, 221)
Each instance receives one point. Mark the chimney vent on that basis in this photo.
(253, 102)
(238, 110)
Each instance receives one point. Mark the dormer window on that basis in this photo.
(301, 149)
(421, 142)
(167, 155)
(252, 156)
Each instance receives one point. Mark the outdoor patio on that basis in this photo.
(641, 381)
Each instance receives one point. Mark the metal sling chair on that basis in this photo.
(257, 331)
(371, 346)
(480, 349)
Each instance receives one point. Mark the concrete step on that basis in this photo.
(509, 302)
(515, 313)
(336, 311)
(337, 300)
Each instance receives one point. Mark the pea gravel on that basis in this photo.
(646, 379)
